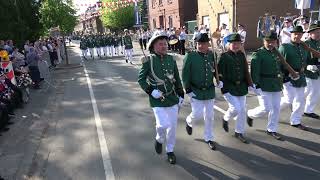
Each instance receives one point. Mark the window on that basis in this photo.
(153, 3)
(154, 23)
(170, 22)
(160, 3)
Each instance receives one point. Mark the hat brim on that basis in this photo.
(153, 40)
(297, 32)
(234, 40)
(313, 29)
(270, 39)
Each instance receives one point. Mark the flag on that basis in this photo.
(304, 4)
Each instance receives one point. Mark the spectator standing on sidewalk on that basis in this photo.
(32, 61)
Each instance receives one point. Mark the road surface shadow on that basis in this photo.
(266, 168)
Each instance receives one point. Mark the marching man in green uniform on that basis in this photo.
(128, 46)
(159, 78)
(98, 45)
(233, 71)
(267, 76)
(109, 44)
(104, 45)
(293, 90)
(197, 75)
(91, 46)
(312, 73)
(83, 47)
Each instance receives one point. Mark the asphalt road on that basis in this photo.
(128, 124)
(105, 127)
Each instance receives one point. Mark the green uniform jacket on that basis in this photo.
(296, 57)
(197, 75)
(83, 44)
(98, 42)
(127, 42)
(164, 70)
(313, 60)
(90, 43)
(266, 70)
(232, 72)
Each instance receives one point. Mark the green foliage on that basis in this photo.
(58, 13)
(121, 18)
(20, 20)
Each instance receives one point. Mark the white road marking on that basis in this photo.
(102, 140)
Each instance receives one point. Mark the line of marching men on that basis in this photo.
(107, 45)
(291, 70)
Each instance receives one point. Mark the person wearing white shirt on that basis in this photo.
(182, 40)
(195, 35)
(285, 35)
(242, 33)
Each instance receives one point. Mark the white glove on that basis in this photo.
(252, 88)
(312, 68)
(156, 94)
(257, 91)
(180, 101)
(191, 95)
(220, 85)
(298, 77)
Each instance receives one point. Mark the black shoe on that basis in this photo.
(158, 147)
(274, 135)
(225, 125)
(249, 121)
(300, 126)
(126, 60)
(312, 115)
(241, 138)
(131, 63)
(171, 158)
(212, 145)
(189, 129)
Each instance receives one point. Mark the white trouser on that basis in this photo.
(295, 97)
(269, 103)
(237, 110)
(98, 51)
(110, 49)
(105, 50)
(312, 94)
(128, 53)
(116, 50)
(166, 125)
(123, 49)
(84, 53)
(203, 108)
(91, 52)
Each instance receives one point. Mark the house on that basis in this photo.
(247, 12)
(171, 13)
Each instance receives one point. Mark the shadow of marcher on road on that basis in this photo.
(310, 161)
(203, 172)
(267, 168)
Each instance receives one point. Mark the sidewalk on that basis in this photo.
(20, 145)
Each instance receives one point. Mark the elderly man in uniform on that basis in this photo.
(312, 73)
(197, 75)
(293, 90)
(159, 78)
(266, 75)
(234, 73)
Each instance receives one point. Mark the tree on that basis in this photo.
(117, 16)
(20, 20)
(59, 13)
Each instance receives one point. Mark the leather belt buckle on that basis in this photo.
(203, 89)
(279, 75)
(237, 82)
